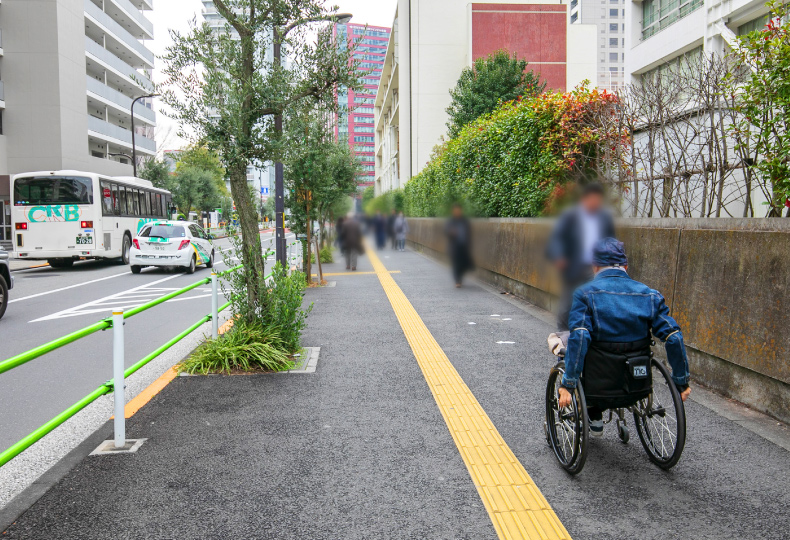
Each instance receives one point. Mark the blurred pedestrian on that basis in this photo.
(459, 237)
(400, 228)
(338, 233)
(391, 229)
(380, 230)
(351, 240)
(572, 241)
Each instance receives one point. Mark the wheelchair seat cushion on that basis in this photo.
(617, 374)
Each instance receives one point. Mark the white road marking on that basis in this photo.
(505, 342)
(472, 323)
(67, 288)
(496, 315)
(119, 298)
(507, 319)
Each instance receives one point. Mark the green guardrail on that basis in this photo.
(20, 359)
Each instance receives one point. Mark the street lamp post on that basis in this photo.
(279, 187)
(134, 148)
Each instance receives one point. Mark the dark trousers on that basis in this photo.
(569, 284)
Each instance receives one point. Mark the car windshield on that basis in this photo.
(41, 190)
(164, 231)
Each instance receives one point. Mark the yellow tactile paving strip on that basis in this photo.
(517, 508)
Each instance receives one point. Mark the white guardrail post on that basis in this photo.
(214, 306)
(118, 384)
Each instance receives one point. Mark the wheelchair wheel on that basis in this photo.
(661, 420)
(567, 428)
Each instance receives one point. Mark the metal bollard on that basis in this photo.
(118, 384)
(214, 307)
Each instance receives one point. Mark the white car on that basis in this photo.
(171, 243)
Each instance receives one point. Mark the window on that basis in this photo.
(363, 129)
(658, 14)
(49, 190)
(159, 207)
(164, 231)
(116, 202)
(614, 42)
(363, 120)
(614, 12)
(613, 27)
(107, 198)
(614, 57)
(751, 26)
(574, 17)
(364, 139)
(133, 197)
(144, 207)
(122, 194)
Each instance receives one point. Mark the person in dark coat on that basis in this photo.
(351, 240)
(391, 229)
(571, 244)
(459, 238)
(380, 230)
(339, 233)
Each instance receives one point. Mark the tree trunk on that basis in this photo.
(252, 256)
(308, 262)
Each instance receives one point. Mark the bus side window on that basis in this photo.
(116, 202)
(151, 204)
(122, 192)
(106, 198)
(144, 203)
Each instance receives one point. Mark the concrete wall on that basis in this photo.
(725, 281)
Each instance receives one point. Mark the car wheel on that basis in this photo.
(3, 296)
(210, 263)
(127, 248)
(192, 265)
(136, 269)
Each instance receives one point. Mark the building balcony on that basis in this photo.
(118, 72)
(101, 27)
(128, 16)
(118, 101)
(117, 135)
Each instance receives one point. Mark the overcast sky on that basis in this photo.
(177, 15)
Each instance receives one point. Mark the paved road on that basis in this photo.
(47, 303)
(359, 449)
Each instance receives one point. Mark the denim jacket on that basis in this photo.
(615, 308)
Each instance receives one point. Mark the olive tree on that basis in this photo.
(230, 87)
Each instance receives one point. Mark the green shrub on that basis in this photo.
(516, 161)
(326, 256)
(246, 347)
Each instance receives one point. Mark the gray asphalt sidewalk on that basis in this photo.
(359, 448)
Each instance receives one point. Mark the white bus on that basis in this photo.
(63, 216)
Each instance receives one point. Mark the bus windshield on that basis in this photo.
(50, 190)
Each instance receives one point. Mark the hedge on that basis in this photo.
(517, 161)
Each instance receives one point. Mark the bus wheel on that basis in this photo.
(127, 247)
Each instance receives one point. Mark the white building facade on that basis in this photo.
(70, 70)
(609, 17)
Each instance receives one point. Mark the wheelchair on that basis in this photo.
(656, 407)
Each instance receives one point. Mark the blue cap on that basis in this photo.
(609, 252)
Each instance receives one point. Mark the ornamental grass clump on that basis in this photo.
(245, 347)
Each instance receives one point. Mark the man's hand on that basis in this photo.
(565, 398)
(684, 395)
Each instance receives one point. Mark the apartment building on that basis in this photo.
(432, 41)
(70, 70)
(660, 31)
(609, 17)
(354, 120)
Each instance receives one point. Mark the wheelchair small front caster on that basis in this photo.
(622, 432)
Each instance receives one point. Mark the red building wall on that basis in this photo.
(537, 33)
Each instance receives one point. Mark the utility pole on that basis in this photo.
(281, 254)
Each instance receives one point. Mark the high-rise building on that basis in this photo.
(70, 70)
(609, 17)
(260, 177)
(355, 109)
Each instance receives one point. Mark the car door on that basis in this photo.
(208, 246)
(198, 243)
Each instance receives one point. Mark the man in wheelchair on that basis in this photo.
(610, 322)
